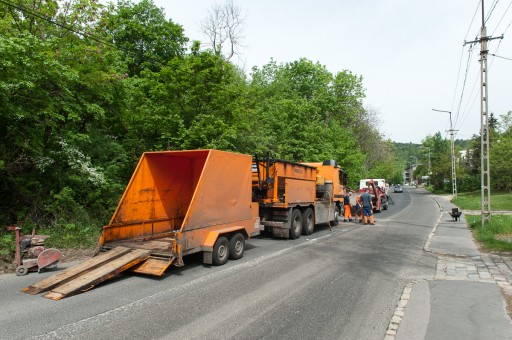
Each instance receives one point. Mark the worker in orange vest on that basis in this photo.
(347, 215)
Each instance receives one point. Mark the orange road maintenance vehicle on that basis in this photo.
(182, 202)
(294, 197)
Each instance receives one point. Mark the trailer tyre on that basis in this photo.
(236, 246)
(308, 221)
(295, 224)
(220, 251)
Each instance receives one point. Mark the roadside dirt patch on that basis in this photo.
(504, 237)
(507, 294)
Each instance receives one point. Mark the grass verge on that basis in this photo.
(472, 201)
(493, 236)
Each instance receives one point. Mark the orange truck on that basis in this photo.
(294, 197)
(183, 202)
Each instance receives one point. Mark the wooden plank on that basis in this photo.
(163, 245)
(75, 271)
(153, 266)
(89, 280)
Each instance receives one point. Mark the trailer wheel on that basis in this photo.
(308, 221)
(337, 214)
(295, 224)
(236, 246)
(220, 251)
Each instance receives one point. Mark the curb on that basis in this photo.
(399, 311)
(426, 247)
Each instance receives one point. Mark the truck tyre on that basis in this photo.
(236, 246)
(220, 251)
(384, 204)
(295, 224)
(308, 221)
(337, 214)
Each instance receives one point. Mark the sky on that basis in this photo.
(411, 54)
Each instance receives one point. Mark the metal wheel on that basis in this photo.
(220, 251)
(21, 270)
(236, 246)
(308, 221)
(296, 224)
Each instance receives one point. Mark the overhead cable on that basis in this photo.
(499, 22)
(493, 6)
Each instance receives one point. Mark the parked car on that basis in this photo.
(398, 188)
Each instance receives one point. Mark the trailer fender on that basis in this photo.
(212, 237)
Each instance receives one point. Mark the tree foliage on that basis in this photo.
(86, 88)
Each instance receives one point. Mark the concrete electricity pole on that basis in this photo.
(452, 136)
(485, 170)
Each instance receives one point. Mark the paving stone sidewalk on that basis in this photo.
(458, 259)
(483, 268)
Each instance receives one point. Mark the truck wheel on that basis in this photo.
(220, 251)
(295, 224)
(308, 222)
(236, 246)
(337, 214)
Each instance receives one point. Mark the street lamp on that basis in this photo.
(454, 174)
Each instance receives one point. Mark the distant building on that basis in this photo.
(408, 173)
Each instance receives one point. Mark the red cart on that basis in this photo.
(31, 255)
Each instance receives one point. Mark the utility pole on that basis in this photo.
(452, 136)
(485, 184)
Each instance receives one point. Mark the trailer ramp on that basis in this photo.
(86, 275)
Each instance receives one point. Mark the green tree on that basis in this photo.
(501, 155)
(59, 91)
(441, 161)
(142, 32)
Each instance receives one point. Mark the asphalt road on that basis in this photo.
(340, 283)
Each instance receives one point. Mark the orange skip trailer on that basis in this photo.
(176, 203)
(182, 202)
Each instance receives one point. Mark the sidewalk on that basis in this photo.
(465, 299)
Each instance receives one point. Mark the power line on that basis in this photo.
(468, 107)
(497, 56)
(499, 22)
(474, 15)
(492, 10)
(72, 29)
(48, 19)
(458, 76)
(468, 64)
(510, 23)
(472, 99)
